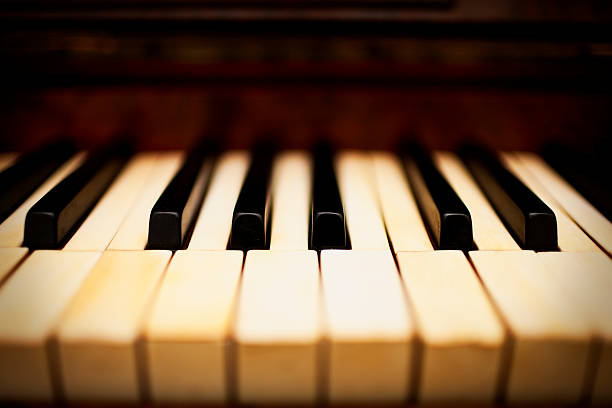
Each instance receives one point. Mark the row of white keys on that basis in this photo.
(100, 327)
(489, 232)
(570, 236)
(104, 220)
(187, 333)
(356, 182)
(576, 206)
(462, 337)
(31, 304)
(550, 335)
(586, 278)
(11, 230)
(404, 223)
(134, 230)
(214, 223)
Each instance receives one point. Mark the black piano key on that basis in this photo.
(175, 211)
(532, 222)
(447, 218)
(56, 216)
(22, 178)
(251, 213)
(588, 173)
(327, 228)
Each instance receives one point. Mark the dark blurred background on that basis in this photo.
(361, 73)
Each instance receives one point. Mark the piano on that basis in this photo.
(340, 202)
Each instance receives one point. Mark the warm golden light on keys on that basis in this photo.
(102, 223)
(31, 303)
(489, 231)
(401, 214)
(102, 324)
(214, 223)
(278, 327)
(578, 208)
(9, 258)
(571, 238)
(187, 333)
(461, 334)
(134, 230)
(368, 327)
(356, 182)
(587, 280)
(11, 230)
(291, 201)
(551, 338)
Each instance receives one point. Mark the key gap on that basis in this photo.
(17, 265)
(509, 341)
(231, 361)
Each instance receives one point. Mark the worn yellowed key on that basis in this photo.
(134, 230)
(401, 214)
(570, 236)
(291, 201)
(587, 280)
(9, 258)
(31, 303)
(102, 223)
(11, 230)
(214, 223)
(356, 182)
(278, 328)
(368, 327)
(187, 333)
(576, 206)
(489, 231)
(550, 337)
(462, 336)
(97, 335)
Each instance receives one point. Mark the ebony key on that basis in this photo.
(251, 212)
(327, 228)
(22, 178)
(447, 218)
(175, 210)
(55, 217)
(528, 218)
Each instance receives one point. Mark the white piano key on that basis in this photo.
(587, 280)
(9, 258)
(278, 327)
(576, 206)
(550, 337)
(134, 230)
(97, 335)
(461, 334)
(214, 223)
(7, 159)
(11, 230)
(368, 327)
(489, 231)
(356, 182)
(401, 214)
(104, 220)
(570, 236)
(187, 333)
(31, 303)
(291, 201)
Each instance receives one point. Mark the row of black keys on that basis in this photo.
(53, 219)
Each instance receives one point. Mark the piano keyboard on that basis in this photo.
(301, 277)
